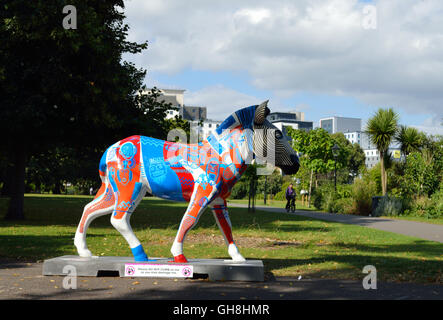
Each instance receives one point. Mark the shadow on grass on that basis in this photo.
(389, 259)
(421, 247)
(151, 213)
(36, 247)
(340, 264)
(389, 267)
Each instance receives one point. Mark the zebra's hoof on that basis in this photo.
(180, 259)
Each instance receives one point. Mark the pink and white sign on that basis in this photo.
(158, 270)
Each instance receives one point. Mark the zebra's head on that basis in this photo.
(270, 144)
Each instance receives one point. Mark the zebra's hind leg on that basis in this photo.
(121, 216)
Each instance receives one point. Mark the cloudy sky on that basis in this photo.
(325, 58)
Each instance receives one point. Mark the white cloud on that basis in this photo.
(432, 126)
(430, 130)
(254, 16)
(310, 45)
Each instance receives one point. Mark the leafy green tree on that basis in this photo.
(273, 183)
(422, 175)
(240, 190)
(315, 150)
(416, 174)
(250, 177)
(67, 88)
(355, 160)
(382, 128)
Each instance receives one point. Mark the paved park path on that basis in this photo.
(421, 230)
(21, 280)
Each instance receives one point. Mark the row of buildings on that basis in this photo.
(350, 127)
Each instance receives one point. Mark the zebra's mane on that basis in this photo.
(243, 117)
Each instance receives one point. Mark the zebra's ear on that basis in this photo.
(261, 113)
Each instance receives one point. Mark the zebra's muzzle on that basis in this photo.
(293, 168)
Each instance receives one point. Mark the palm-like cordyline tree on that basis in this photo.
(409, 138)
(382, 128)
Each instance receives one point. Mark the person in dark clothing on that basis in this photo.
(290, 197)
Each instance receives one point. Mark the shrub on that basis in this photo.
(321, 195)
(362, 192)
(389, 206)
(344, 205)
(374, 174)
(240, 190)
(430, 208)
(326, 198)
(280, 195)
(344, 191)
(328, 202)
(435, 208)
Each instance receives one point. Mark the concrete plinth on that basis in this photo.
(214, 269)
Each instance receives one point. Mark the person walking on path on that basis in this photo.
(290, 198)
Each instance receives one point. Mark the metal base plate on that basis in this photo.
(214, 269)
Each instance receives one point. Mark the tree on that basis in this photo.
(273, 183)
(382, 128)
(409, 139)
(355, 160)
(67, 88)
(419, 177)
(250, 177)
(423, 170)
(315, 151)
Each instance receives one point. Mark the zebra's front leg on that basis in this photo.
(221, 215)
(196, 207)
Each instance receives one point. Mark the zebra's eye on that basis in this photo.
(278, 134)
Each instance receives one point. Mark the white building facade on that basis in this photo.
(294, 119)
(340, 124)
(371, 153)
(205, 128)
(352, 130)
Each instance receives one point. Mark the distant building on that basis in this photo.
(354, 137)
(340, 124)
(372, 156)
(294, 119)
(351, 129)
(206, 128)
(176, 98)
(371, 153)
(193, 113)
(170, 114)
(173, 96)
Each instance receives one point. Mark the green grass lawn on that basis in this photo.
(288, 245)
(438, 220)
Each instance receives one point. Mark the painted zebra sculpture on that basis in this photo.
(202, 174)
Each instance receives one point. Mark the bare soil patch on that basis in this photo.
(243, 242)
